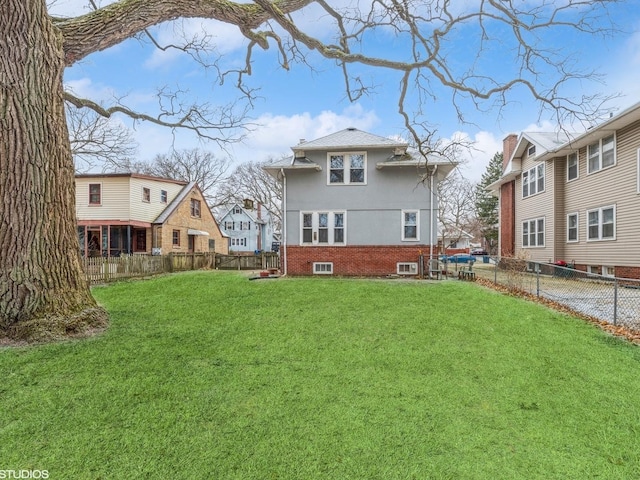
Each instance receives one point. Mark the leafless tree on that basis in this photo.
(192, 165)
(41, 283)
(250, 181)
(98, 143)
(456, 197)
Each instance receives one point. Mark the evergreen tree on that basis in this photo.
(487, 204)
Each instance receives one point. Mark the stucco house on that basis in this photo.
(127, 213)
(574, 198)
(358, 204)
(248, 226)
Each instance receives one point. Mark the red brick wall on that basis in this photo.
(621, 271)
(507, 202)
(353, 260)
(507, 219)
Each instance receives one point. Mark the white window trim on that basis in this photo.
(599, 210)
(315, 237)
(531, 151)
(318, 268)
(608, 271)
(534, 169)
(577, 167)
(346, 168)
(600, 167)
(577, 240)
(544, 235)
(402, 219)
(412, 266)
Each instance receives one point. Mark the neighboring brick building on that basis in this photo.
(358, 204)
(140, 214)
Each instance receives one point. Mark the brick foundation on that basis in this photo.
(621, 271)
(353, 260)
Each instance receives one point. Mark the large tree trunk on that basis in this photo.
(43, 293)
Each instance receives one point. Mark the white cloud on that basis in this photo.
(475, 160)
(273, 138)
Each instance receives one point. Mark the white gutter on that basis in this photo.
(284, 221)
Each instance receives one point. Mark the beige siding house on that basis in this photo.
(139, 214)
(584, 208)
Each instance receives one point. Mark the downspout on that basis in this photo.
(284, 221)
(433, 174)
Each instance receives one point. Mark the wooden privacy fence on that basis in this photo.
(262, 261)
(111, 269)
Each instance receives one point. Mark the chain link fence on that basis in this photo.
(611, 299)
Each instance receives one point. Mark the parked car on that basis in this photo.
(458, 258)
(479, 251)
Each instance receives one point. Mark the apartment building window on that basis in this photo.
(347, 168)
(146, 194)
(533, 232)
(195, 208)
(163, 196)
(572, 227)
(326, 228)
(602, 223)
(601, 154)
(533, 181)
(175, 238)
(572, 166)
(410, 225)
(95, 194)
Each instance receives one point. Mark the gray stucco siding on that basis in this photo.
(368, 227)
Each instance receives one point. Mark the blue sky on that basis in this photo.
(299, 103)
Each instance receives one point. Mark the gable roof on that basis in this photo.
(563, 144)
(166, 213)
(248, 213)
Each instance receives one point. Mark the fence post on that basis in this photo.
(537, 280)
(615, 301)
(495, 271)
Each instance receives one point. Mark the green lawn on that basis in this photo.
(207, 375)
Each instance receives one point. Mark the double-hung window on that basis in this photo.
(95, 194)
(572, 166)
(410, 225)
(601, 154)
(533, 181)
(195, 208)
(533, 232)
(601, 223)
(572, 227)
(323, 228)
(347, 168)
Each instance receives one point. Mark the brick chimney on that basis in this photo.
(507, 201)
(508, 147)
